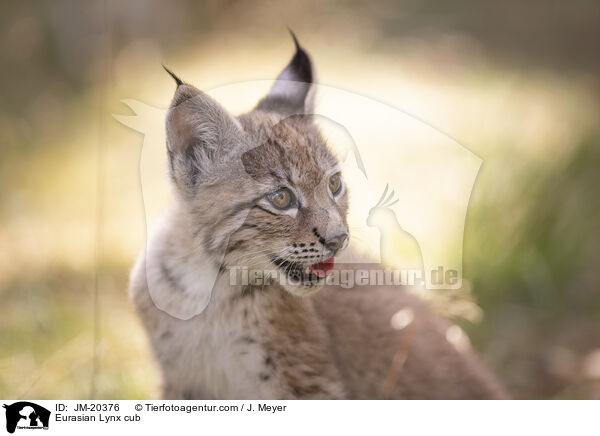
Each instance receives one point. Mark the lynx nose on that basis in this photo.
(336, 242)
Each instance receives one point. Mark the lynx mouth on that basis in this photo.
(305, 273)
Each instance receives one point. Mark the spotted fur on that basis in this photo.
(271, 341)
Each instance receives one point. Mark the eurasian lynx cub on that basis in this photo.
(262, 190)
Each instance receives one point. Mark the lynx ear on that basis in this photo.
(291, 93)
(199, 132)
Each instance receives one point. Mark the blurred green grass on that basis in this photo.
(48, 339)
(534, 273)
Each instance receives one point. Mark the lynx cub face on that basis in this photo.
(263, 190)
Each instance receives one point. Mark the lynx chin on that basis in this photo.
(262, 190)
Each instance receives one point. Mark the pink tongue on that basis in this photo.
(322, 269)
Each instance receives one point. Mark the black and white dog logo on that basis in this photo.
(26, 415)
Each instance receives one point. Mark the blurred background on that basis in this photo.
(516, 83)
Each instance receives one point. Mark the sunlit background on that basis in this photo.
(517, 84)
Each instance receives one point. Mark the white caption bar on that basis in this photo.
(301, 417)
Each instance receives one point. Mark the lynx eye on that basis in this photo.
(281, 199)
(335, 184)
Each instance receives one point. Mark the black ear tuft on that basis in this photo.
(294, 37)
(301, 69)
(291, 92)
(172, 74)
